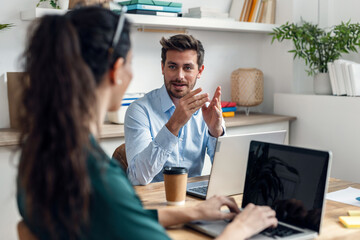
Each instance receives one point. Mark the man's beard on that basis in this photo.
(178, 94)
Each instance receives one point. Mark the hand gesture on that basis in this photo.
(185, 108)
(213, 115)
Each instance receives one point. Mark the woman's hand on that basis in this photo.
(211, 208)
(250, 221)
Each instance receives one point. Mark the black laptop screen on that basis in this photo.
(290, 180)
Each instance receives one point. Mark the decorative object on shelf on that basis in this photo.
(247, 87)
(318, 46)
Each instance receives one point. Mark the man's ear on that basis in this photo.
(115, 72)
(162, 68)
(201, 69)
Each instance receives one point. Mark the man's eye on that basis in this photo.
(188, 68)
(172, 67)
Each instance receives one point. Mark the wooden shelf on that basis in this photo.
(160, 22)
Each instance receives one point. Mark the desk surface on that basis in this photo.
(9, 136)
(153, 196)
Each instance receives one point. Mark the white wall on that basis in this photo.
(327, 123)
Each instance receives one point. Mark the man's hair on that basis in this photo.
(182, 42)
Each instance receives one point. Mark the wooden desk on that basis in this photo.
(153, 196)
(241, 123)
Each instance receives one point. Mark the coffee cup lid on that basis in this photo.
(174, 170)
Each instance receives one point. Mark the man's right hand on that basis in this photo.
(185, 108)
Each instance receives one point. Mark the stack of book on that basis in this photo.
(228, 108)
(119, 115)
(260, 11)
(203, 12)
(344, 77)
(150, 7)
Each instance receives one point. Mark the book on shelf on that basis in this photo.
(236, 9)
(344, 77)
(228, 109)
(254, 10)
(333, 81)
(247, 10)
(155, 13)
(339, 78)
(228, 114)
(260, 11)
(151, 2)
(153, 7)
(354, 72)
(225, 104)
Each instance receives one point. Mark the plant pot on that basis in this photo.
(322, 84)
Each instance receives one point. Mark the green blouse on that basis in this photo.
(116, 212)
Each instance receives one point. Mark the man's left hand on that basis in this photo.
(213, 114)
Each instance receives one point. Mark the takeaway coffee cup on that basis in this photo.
(175, 180)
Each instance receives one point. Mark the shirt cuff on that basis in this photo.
(166, 140)
(220, 135)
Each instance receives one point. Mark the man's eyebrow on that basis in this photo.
(172, 63)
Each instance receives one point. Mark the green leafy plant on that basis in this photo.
(319, 46)
(53, 3)
(6, 25)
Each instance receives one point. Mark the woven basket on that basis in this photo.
(247, 87)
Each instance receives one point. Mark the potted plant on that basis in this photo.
(319, 46)
(56, 4)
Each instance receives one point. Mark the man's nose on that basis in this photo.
(180, 74)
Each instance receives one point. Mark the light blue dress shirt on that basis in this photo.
(150, 146)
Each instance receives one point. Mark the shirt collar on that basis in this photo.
(166, 102)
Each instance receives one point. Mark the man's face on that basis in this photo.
(180, 72)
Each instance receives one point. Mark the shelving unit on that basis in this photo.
(160, 22)
(145, 21)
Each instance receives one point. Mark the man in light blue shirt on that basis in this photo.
(172, 126)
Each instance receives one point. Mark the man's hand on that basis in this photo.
(186, 107)
(213, 114)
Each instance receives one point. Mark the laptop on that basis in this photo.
(227, 174)
(292, 181)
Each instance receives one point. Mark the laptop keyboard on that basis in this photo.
(280, 231)
(202, 189)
